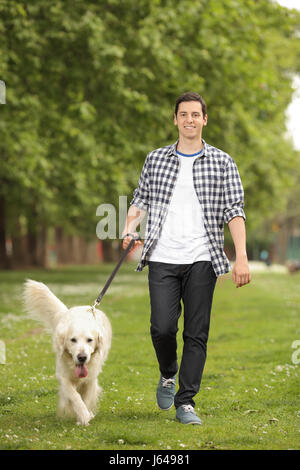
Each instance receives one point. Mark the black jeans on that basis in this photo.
(194, 284)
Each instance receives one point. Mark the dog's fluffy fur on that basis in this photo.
(81, 342)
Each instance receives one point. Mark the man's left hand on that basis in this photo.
(241, 273)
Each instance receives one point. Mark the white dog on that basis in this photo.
(81, 341)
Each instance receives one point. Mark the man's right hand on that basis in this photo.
(128, 239)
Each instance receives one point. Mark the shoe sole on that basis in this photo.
(191, 422)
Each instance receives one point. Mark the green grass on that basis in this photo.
(249, 397)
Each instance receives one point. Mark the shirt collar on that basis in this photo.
(173, 147)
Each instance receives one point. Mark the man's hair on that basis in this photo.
(190, 96)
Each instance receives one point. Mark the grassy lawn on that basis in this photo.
(249, 397)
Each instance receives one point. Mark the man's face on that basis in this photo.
(190, 120)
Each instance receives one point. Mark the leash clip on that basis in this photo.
(93, 308)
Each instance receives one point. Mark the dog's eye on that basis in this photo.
(89, 340)
(74, 340)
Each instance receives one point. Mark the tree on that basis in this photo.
(91, 88)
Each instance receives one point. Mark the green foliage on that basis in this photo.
(91, 88)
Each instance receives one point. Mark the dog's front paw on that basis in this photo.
(79, 423)
(84, 420)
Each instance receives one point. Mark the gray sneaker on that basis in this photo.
(186, 415)
(165, 392)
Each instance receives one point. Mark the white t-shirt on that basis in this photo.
(182, 237)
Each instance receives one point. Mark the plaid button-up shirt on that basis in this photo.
(217, 184)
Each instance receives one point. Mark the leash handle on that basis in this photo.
(108, 282)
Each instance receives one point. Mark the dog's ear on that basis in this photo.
(99, 341)
(60, 336)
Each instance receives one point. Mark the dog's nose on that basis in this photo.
(81, 358)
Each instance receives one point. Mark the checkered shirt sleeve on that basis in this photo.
(233, 193)
(141, 193)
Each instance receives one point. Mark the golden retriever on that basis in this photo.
(81, 341)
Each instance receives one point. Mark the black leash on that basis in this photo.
(108, 282)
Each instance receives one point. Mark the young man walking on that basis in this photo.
(188, 189)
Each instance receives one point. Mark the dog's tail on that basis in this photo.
(42, 305)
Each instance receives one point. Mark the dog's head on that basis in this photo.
(79, 336)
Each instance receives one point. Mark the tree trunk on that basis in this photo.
(19, 247)
(59, 246)
(110, 253)
(42, 247)
(4, 260)
(32, 238)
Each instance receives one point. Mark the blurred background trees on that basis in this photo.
(90, 90)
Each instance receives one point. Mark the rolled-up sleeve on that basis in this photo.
(233, 193)
(141, 193)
